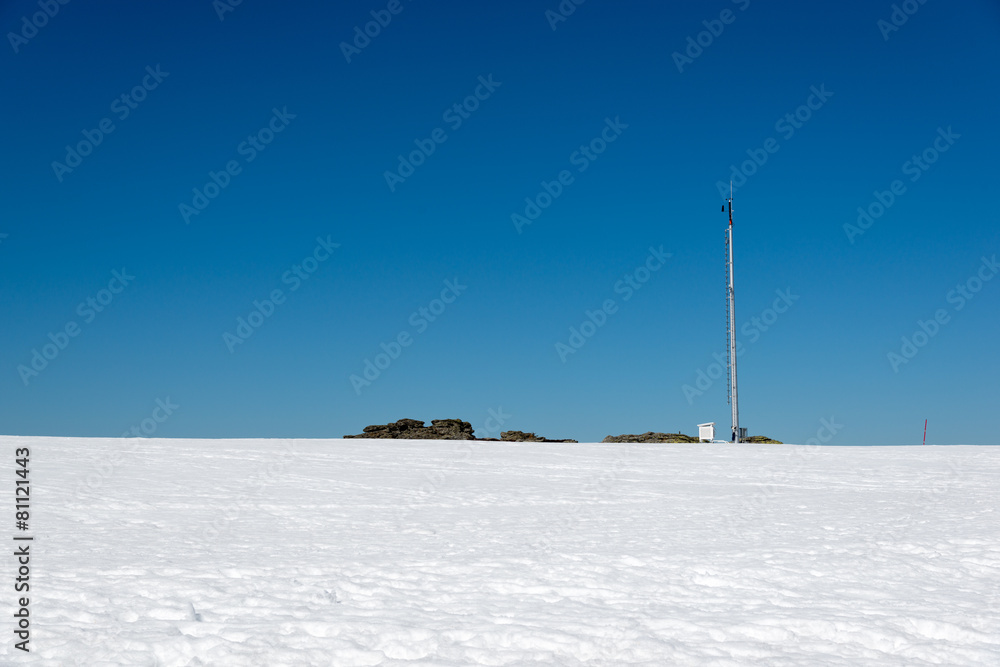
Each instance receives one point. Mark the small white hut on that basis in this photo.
(706, 432)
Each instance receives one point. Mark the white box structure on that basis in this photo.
(706, 432)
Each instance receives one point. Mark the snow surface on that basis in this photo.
(361, 552)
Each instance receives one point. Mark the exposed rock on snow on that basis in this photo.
(521, 436)
(412, 429)
(441, 429)
(649, 436)
(762, 440)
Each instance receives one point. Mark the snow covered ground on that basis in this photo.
(357, 552)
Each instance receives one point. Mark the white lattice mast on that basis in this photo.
(731, 322)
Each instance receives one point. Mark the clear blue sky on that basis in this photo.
(640, 138)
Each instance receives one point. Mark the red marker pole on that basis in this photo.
(925, 432)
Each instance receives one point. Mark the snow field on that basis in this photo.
(376, 552)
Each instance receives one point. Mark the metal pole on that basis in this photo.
(733, 392)
(925, 432)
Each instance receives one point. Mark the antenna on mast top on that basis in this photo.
(730, 203)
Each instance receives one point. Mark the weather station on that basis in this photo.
(738, 434)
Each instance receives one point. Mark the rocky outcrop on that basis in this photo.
(440, 429)
(521, 436)
(649, 436)
(412, 429)
(763, 440)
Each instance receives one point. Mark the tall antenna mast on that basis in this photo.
(731, 321)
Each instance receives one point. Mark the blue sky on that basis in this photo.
(248, 160)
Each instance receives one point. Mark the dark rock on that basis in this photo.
(649, 436)
(762, 440)
(412, 429)
(521, 436)
(441, 429)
